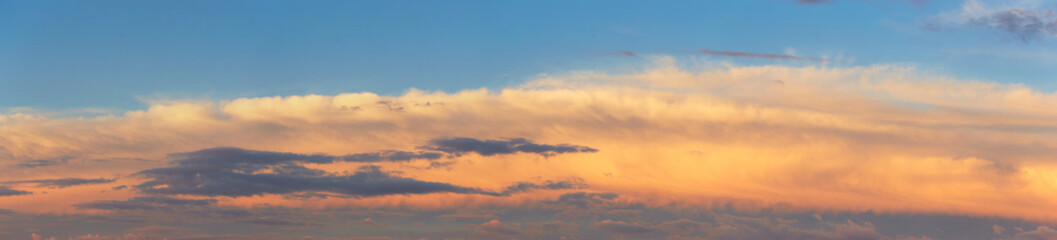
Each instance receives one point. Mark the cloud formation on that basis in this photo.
(1021, 20)
(883, 139)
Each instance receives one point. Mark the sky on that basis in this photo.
(756, 119)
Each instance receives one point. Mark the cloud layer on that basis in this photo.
(586, 145)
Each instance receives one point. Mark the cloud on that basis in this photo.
(683, 227)
(234, 172)
(43, 162)
(998, 229)
(620, 227)
(62, 182)
(625, 53)
(495, 228)
(7, 191)
(762, 228)
(547, 185)
(147, 203)
(238, 172)
(760, 55)
(1040, 233)
(583, 199)
(882, 138)
(391, 156)
(495, 147)
(1021, 20)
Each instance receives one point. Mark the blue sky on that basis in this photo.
(113, 54)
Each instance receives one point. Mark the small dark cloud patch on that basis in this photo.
(462, 145)
(6, 211)
(7, 191)
(63, 182)
(547, 185)
(147, 203)
(120, 187)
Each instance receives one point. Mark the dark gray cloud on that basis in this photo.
(495, 147)
(63, 182)
(7, 191)
(238, 172)
(235, 172)
(219, 177)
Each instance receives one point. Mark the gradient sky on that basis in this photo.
(769, 119)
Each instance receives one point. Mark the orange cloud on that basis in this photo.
(883, 138)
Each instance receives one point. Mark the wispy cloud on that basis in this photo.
(759, 55)
(62, 182)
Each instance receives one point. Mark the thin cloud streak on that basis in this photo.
(759, 55)
(62, 182)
